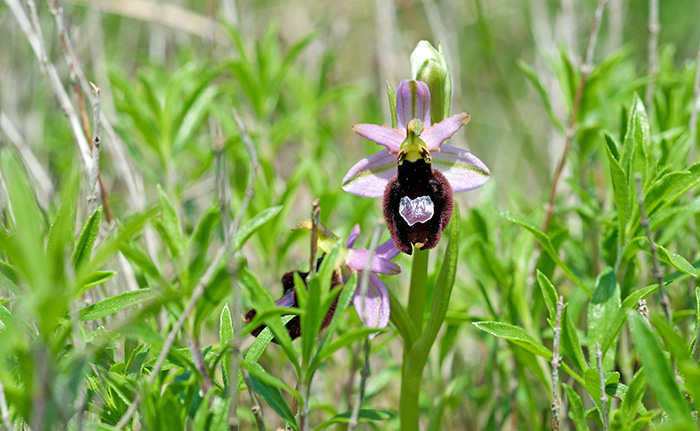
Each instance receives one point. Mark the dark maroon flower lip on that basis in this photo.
(289, 299)
(418, 205)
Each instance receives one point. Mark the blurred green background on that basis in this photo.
(300, 74)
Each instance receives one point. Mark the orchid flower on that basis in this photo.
(372, 305)
(416, 173)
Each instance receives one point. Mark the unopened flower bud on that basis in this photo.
(429, 65)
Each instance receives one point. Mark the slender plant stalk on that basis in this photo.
(315, 220)
(603, 395)
(653, 27)
(32, 31)
(256, 409)
(409, 406)
(657, 269)
(416, 295)
(556, 361)
(364, 375)
(72, 62)
(198, 359)
(93, 191)
(586, 69)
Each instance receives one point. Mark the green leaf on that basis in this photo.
(442, 291)
(577, 413)
(140, 259)
(620, 187)
(569, 337)
(249, 227)
(365, 415)
(516, 335)
(546, 245)
(169, 225)
(658, 371)
(319, 285)
(570, 341)
(93, 279)
(61, 236)
(344, 299)
(225, 327)
(633, 399)
(201, 238)
(8, 278)
(635, 144)
(29, 240)
(5, 318)
(620, 316)
(115, 303)
(225, 337)
(667, 189)
(673, 259)
(265, 301)
(259, 345)
(400, 319)
(604, 304)
(344, 340)
(268, 387)
(592, 384)
(83, 248)
(549, 293)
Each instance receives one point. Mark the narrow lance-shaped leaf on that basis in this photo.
(619, 182)
(618, 320)
(546, 245)
(83, 248)
(577, 410)
(249, 227)
(169, 225)
(658, 370)
(604, 304)
(268, 387)
(443, 288)
(520, 337)
(115, 303)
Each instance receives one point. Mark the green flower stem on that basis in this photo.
(415, 354)
(416, 295)
(409, 408)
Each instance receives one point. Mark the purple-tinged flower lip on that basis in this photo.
(412, 101)
(369, 176)
(438, 133)
(373, 308)
(382, 135)
(357, 260)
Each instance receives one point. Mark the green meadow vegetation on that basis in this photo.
(167, 167)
